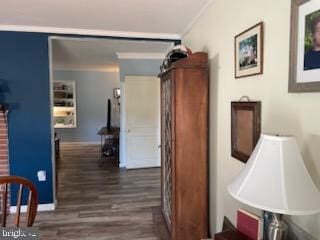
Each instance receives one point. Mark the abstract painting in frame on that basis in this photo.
(245, 128)
(305, 46)
(249, 52)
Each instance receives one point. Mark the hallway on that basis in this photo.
(100, 202)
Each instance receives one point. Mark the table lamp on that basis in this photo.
(275, 179)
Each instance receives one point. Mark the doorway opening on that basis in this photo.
(84, 74)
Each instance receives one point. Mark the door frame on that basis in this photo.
(53, 153)
(122, 87)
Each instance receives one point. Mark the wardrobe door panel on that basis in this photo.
(166, 151)
(184, 153)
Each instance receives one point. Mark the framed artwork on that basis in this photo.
(305, 46)
(245, 128)
(249, 52)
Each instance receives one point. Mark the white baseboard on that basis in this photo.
(41, 208)
(83, 143)
(142, 164)
(122, 165)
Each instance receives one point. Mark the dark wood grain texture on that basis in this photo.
(189, 141)
(100, 203)
(160, 227)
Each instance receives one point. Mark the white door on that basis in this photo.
(142, 121)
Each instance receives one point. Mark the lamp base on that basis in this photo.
(277, 229)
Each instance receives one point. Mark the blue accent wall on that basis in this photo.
(24, 86)
(24, 77)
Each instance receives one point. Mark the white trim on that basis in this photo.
(91, 32)
(196, 18)
(85, 143)
(95, 38)
(122, 142)
(41, 208)
(53, 152)
(139, 55)
(170, 48)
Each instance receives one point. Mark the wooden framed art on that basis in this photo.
(245, 128)
(305, 46)
(248, 55)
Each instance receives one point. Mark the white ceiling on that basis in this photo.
(132, 18)
(102, 54)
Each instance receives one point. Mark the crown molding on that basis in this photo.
(138, 55)
(196, 18)
(90, 32)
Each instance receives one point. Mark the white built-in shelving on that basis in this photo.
(64, 108)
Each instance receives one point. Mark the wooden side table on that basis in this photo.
(109, 143)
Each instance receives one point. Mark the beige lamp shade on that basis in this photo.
(275, 179)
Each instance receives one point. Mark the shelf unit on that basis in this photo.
(64, 107)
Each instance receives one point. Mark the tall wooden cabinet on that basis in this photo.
(184, 141)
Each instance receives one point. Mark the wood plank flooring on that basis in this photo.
(100, 203)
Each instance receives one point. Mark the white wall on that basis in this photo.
(93, 88)
(282, 112)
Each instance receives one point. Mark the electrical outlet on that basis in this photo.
(41, 176)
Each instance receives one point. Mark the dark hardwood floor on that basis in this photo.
(100, 202)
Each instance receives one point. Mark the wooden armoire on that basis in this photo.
(184, 147)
